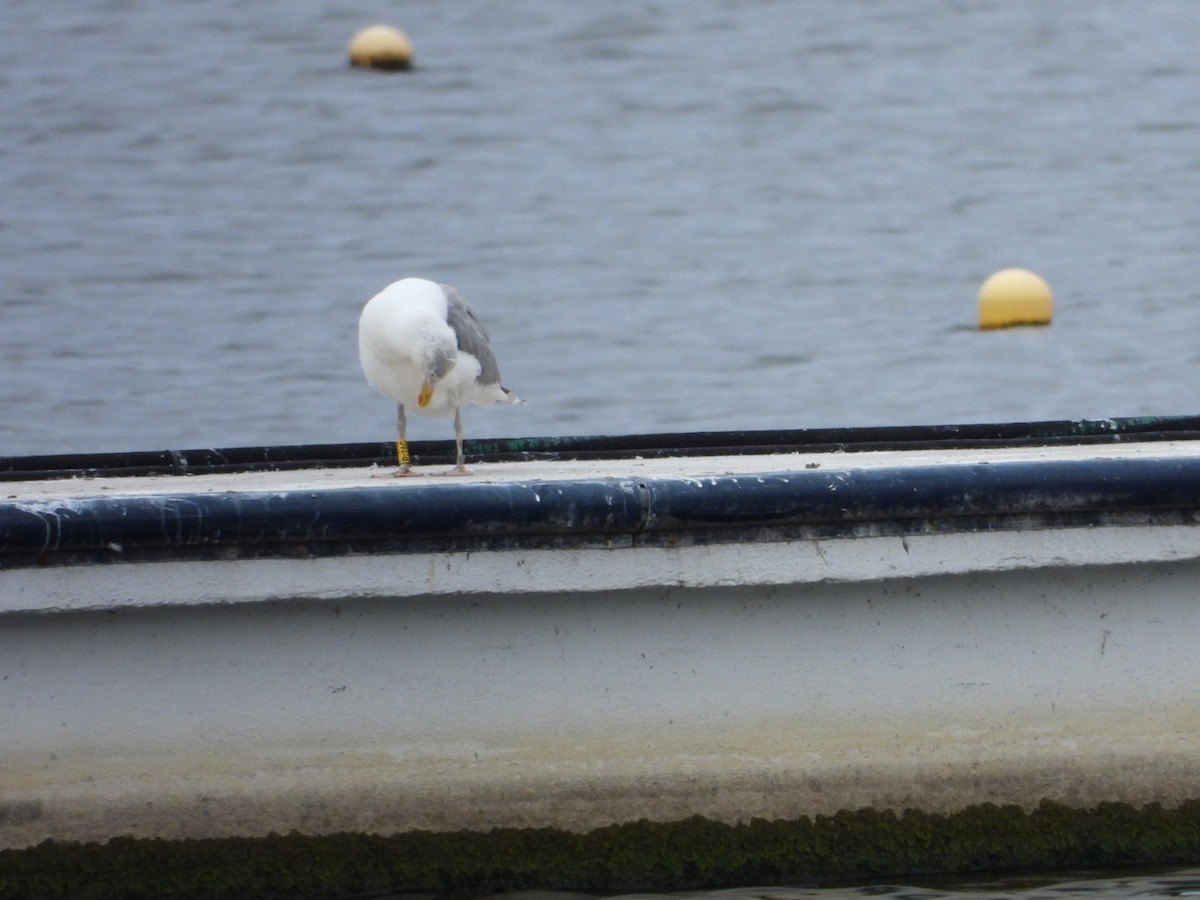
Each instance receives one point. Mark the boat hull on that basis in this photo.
(577, 644)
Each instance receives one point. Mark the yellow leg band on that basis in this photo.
(402, 453)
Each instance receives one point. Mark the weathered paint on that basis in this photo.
(713, 499)
(574, 711)
(629, 447)
(920, 649)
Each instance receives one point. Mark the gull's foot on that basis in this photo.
(402, 472)
(457, 470)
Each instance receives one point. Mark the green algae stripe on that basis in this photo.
(637, 856)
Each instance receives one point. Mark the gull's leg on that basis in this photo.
(459, 468)
(402, 444)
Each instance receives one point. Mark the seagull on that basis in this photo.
(421, 345)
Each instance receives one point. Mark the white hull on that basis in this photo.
(933, 660)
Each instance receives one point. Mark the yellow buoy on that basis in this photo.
(1014, 297)
(381, 47)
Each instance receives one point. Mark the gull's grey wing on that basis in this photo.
(472, 336)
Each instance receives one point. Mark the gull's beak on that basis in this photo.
(426, 394)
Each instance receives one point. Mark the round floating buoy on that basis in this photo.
(1014, 297)
(381, 47)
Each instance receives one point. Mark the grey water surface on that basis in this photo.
(720, 214)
